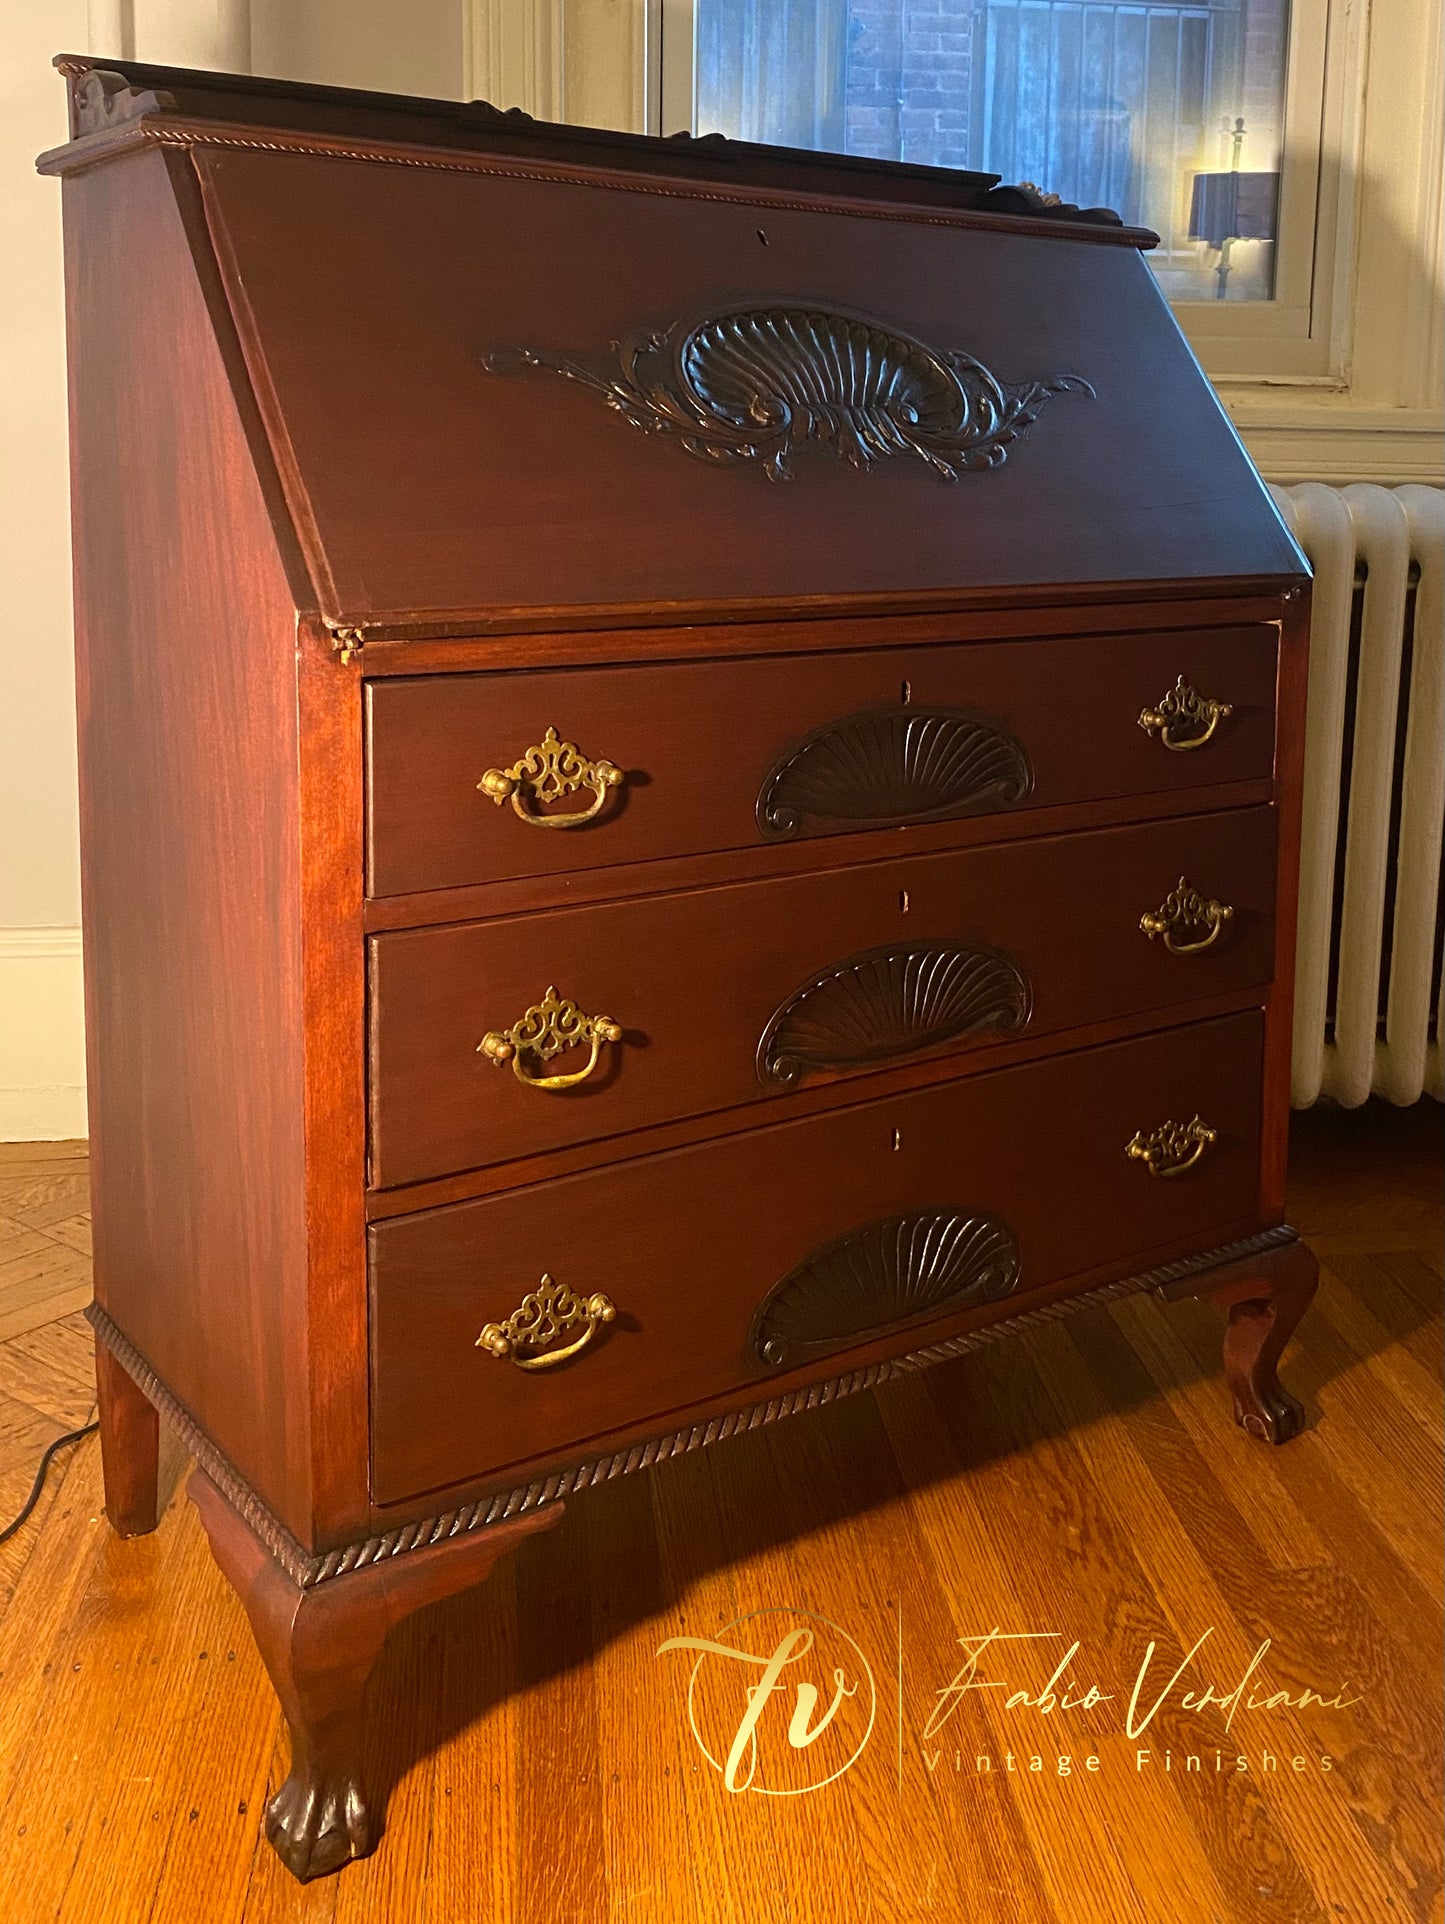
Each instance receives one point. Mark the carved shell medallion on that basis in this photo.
(898, 1270)
(755, 384)
(890, 766)
(892, 1001)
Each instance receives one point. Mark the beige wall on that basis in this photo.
(579, 59)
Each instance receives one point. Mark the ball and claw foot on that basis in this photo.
(316, 1826)
(1265, 1297)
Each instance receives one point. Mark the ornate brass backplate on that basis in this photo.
(547, 772)
(550, 1310)
(550, 1026)
(1171, 1148)
(1186, 920)
(1184, 719)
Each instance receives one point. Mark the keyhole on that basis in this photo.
(903, 901)
(907, 693)
(762, 237)
(897, 1138)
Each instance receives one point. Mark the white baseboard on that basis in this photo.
(42, 1036)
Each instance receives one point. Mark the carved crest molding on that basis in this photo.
(756, 384)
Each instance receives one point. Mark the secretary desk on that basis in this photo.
(690, 769)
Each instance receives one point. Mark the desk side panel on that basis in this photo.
(187, 710)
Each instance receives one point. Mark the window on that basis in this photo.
(1207, 120)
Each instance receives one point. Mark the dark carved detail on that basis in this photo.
(307, 1568)
(1027, 199)
(887, 1273)
(754, 384)
(892, 1001)
(890, 766)
(103, 100)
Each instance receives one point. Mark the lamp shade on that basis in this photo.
(1233, 207)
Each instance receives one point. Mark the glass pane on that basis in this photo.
(1171, 114)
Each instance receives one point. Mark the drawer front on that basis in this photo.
(729, 995)
(732, 1265)
(641, 763)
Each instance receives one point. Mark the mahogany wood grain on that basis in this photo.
(1040, 1149)
(527, 491)
(808, 1099)
(319, 1646)
(814, 855)
(695, 980)
(1265, 1298)
(1289, 768)
(186, 693)
(698, 742)
(129, 1447)
(284, 440)
(425, 645)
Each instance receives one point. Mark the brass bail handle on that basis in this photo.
(547, 772)
(545, 1313)
(1185, 908)
(1184, 719)
(550, 1026)
(1173, 1147)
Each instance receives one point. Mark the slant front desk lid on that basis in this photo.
(503, 372)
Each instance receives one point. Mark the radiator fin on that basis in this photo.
(1368, 994)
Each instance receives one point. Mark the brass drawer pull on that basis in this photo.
(545, 1313)
(1185, 908)
(545, 774)
(1184, 719)
(550, 1026)
(1173, 1147)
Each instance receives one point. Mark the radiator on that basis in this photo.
(1368, 998)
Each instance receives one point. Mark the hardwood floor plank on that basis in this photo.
(1200, 1554)
(540, 1765)
(1282, 1486)
(1085, 1867)
(42, 1200)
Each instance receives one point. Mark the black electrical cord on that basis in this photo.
(71, 1436)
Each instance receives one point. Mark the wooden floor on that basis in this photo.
(1084, 1483)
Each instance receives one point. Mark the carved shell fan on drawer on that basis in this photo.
(754, 384)
(889, 766)
(901, 1269)
(893, 1001)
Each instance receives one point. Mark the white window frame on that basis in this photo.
(1300, 336)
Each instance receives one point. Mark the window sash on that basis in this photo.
(1292, 336)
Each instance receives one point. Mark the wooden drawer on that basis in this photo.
(720, 755)
(948, 1197)
(730, 995)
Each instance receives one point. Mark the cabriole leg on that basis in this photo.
(1265, 1297)
(319, 1645)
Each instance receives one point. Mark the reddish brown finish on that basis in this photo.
(283, 442)
(1265, 1298)
(129, 1447)
(698, 742)
(695, 978)
(1289, 771)
(874, 621)
(186, 691)
(319, 1646)
(1042, 1148)
(530, 492)
(810, 855)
